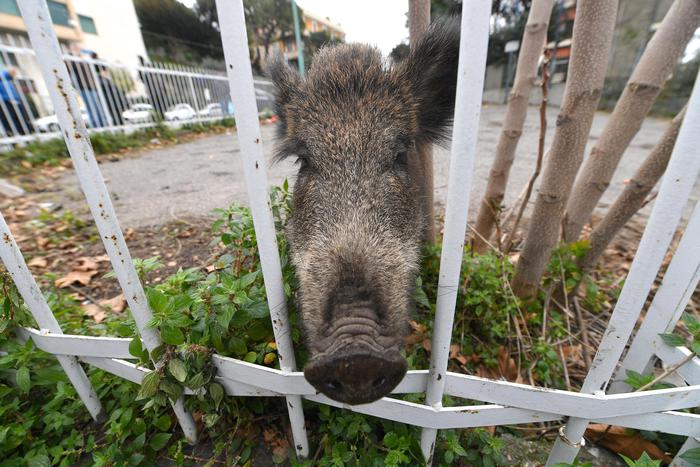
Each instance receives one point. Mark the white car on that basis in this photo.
(211, 110)
(50, 124)
(138, 113)
(180, 112)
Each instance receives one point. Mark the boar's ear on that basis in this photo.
(431, 71)
(286, 81)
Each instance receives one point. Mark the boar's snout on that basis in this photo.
(356, 375)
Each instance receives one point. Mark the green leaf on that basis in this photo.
(674, 340)
(217, 393)
(172, 335)
(157, 300)
(391, 440)
(149, 385)
(692, 456)
(250, 357)
(178, 369)
(691, 323)
(136, 347)
(163, 423)
(695, 347)
(23, 380)
(248, 279)
(196, 381)
(159, 441)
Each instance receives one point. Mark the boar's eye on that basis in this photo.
(401, 159)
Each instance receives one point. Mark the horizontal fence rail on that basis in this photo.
(82, 102)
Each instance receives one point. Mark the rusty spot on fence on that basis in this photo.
(439, 377)
(6, 238)
(256, 164)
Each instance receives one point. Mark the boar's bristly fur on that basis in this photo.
(357, 223)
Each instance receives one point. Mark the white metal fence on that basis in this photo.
(112, 96)
(504, 403)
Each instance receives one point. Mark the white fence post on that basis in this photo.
(470, 79)
(26, 285)
(240, 75)
(63, 96)
(681, 174)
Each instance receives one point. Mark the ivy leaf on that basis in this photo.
(172, 335)
(674, 340)
(149, 385)
(692, 456)
(217, 393)
(23, 380)
(159, 441)
(178, 369)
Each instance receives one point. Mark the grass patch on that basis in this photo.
(37, 154)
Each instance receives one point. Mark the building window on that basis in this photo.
(8, 59)
(87, 24)
(9, 7)
(59, 13)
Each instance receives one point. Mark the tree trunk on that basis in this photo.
(656, 64)
(593, 30)
(526, 73)
(418, 22)
(632, 197)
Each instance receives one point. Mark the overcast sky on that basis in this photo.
(378, 22)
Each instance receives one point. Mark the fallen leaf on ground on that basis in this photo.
(81, 277)
(87, 264)
(622, 441)
(38, 262)
(117, 304)
(95, 312)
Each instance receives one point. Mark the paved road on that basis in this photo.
(195, 177)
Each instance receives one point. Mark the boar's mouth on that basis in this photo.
(359, 365)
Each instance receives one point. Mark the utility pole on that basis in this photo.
(297, 36)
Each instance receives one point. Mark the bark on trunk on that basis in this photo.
(533, 41)
(593, 30)
(656, 64)
(418, 22)
(632, 197)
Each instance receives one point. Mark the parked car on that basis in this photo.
(50, 124)
(138, 113)
(211, 110)
(180, 112)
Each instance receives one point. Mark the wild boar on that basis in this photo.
(353, 123)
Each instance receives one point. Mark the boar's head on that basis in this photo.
(358, 222)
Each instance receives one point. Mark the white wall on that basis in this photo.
(118, 36)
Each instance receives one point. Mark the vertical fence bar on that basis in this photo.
(63, 96)
(26, 285)
(677, 184)
(470, 79)
(240, 76)
(679, 283)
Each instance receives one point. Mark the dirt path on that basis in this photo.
(191, 179)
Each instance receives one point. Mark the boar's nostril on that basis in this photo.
(379, 382)
(356, 375)
(333, 385)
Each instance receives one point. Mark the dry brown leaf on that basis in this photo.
(619, 440)
(81, 277)
(116, 304)
(38, 262)
(87, 264)
(42, 242)
(456, 354)
(95, 312)
(427, 345)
